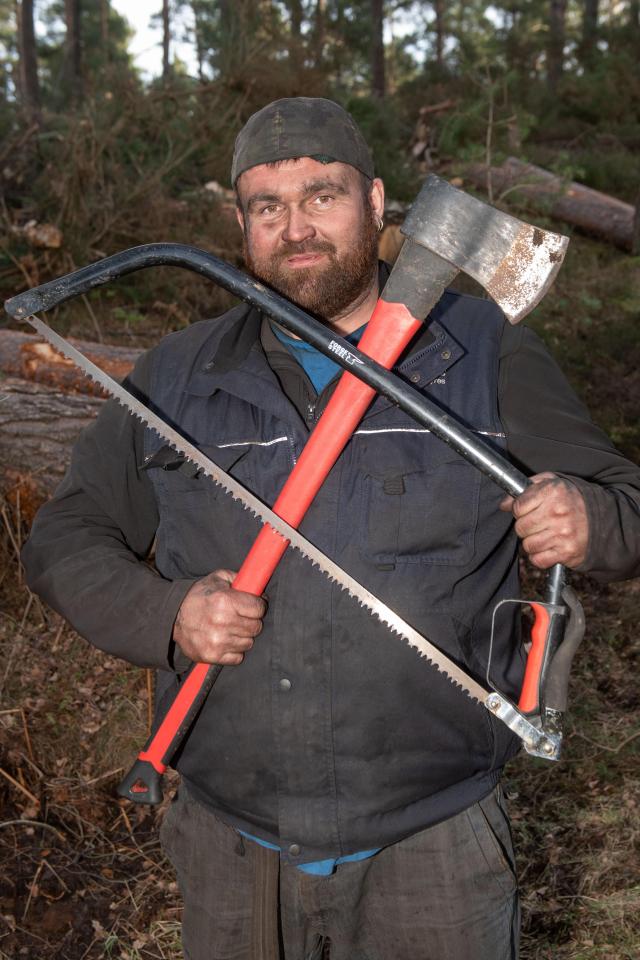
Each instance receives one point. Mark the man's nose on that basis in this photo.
(298, 227)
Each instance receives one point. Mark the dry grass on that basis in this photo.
(82, 872)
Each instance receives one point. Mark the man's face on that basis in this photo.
(310, 233)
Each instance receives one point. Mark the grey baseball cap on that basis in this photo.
(300, 127)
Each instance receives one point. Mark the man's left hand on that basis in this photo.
(551, 520)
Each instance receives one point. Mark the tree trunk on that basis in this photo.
(28, 67)
(589, 210)
(166, 40)
(439, 9)
(555, 46)
(237, 26)
(378, 82)
(25, 356)
(199, 42)
(589, 30)
(634, 22)
(295, 26)
(73, 50)
(319, 31)
(104, 29)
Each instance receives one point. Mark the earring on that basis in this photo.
(379, 223)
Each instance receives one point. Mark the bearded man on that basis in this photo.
(335, 788)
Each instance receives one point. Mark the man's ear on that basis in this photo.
(240, 217)
(377, 197)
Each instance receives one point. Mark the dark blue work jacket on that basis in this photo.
(334, 736)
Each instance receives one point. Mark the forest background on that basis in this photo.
(94, 159)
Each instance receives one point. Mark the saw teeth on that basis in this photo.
(382, 613)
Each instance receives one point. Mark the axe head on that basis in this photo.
(515, 262)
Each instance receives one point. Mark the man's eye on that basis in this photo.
(270, 210)
(323, 200)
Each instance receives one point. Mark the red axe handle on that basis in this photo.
(387, 334)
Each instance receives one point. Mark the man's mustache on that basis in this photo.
(289, 249)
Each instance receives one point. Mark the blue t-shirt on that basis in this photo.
(319, 368)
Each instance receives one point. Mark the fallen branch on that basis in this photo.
(590, 211)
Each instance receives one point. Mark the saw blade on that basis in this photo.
(250, 502)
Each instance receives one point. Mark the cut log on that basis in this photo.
(45, 402)
(38, 427)
(588, 210)
(26, 356)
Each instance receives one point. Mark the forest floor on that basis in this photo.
(82, 876)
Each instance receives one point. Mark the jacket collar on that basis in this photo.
(240, 367)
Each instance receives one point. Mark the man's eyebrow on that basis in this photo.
(262, 198)
(324, 183)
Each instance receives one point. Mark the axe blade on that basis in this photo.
(514, 261)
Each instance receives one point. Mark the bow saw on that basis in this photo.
(516, 263)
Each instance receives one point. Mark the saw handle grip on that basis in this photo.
(387, 334)
(548, 626)
(558, 676)
(555, 636)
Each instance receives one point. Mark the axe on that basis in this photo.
(446, 231)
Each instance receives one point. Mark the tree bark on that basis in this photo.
(378, 80)
(73, 49)
(38, 427)
(555, 46)
(589, 210)
(28, 67)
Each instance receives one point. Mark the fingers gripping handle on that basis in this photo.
(389, 331)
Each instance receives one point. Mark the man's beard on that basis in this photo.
(327, 291)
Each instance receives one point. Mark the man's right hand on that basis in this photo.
(216, 624)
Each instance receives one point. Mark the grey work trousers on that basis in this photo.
(446, 893)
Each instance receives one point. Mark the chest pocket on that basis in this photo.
(421, 516)
(200, 527)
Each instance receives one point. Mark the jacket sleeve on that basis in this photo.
(548, 428)
(87, 554)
